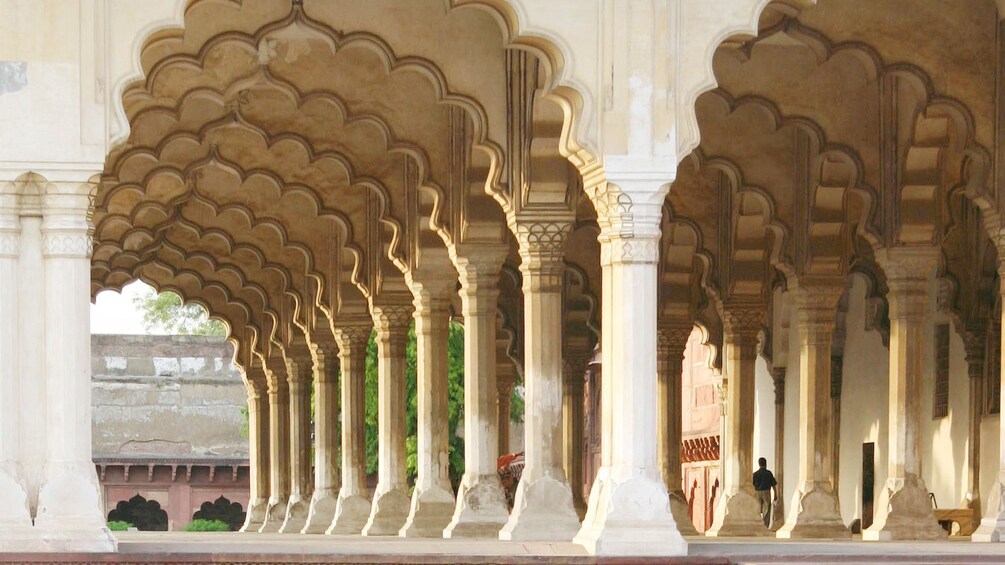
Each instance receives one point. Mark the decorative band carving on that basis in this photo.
(10, 245)
(67, 245)
(543, 238)
(624, 251)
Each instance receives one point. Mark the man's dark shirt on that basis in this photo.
(764, 480)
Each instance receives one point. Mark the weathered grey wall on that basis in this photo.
(166, 396)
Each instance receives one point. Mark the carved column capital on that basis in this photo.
(352, 336)
(542, 253)
(741, 322)
(778, 378)
(907, 272)
(816, 311)
(392, 318)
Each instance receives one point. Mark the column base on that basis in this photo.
(255, 517)
(992, 528)
(814, 515)
(629, 517)
(296, 515)
(542, 511)
(905, 513)
(430, 513)
(70, 516)
(682, 514)
(275, 513)
(388, 514)
(481, 508)
(321, 513)
(738, 515)
(351, 514)
(16, 531)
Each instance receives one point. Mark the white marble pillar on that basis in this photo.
(258, 452)
(814, 511)
(433, 498)
(70, 515)
(974, 348)
(573, 422)
(326, 479)
(390, 499)
(505, 381)
(16, 531)
(778, 379)
(904, 511)
(481, 509)
(298, 375)
(670, 344)
(992, 528)
(353, 507)
(279, 449)
(629, 508)
(543, 508)
(737, 512)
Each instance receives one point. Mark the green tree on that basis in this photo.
(166, 312)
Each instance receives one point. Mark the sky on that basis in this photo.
(114, 313)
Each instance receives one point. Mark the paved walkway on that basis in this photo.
(192, 548)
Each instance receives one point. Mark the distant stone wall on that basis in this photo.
(166, 396)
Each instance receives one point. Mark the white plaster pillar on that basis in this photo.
(390, 500)
(505, 381)
(70, 515)
(573, 422)
(16, 531)
(543, 508)
(279, 450)
(670, 344)
(481, 509)
(814, 511)
(629, 509)
(992, 528)
(974, 348)
(778, 378)
(353, 507)
(737, 512)
(433, 500)
(258, 449)
(298, 375)
(904, 510)
(326, 480)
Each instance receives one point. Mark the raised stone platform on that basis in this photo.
(185, 548)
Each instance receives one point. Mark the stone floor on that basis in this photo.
(193, 548)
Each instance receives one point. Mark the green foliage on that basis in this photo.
(119, 526)
(165, 311)
(207, 526)
(516, 405)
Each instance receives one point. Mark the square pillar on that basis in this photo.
(279, 449)
(671, 340)
(326, 414)
(992, 528)
(258, 453)
(574, 422)
(298, 375)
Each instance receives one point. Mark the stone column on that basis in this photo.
(670, 344)
(299, 382)
(974, 348)
(905, 510)
(778, 378)
(543, 508)
(481, 509)
(737, 511)
(258, 450)
(814, 511)
(279, 451)
(573, 423)
(505, 381)
(326, 479)
(70, 515)
(15, 518)
(390, 500)
(992, 528)
(629, 510)
(353, 506)
(834, 453)
(433, 499)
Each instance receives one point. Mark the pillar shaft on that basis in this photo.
(975, 370)
(279, 450)
(326, 479)
(904, 510)
(299, 381)
(258, 451)
(390, 500)
(543, 508)
(992, 528)
(433, 502)
(505, 381)
(814, 510)
(481, 507)
(69, 514)
(778, 378)
(353, 507)
(573, 424)
(628, 510)
(737, 511)
(670, 345)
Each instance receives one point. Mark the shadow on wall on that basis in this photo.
(145, 515)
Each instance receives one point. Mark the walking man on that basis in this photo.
(764, 483)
